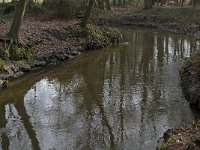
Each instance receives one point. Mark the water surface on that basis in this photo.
(122, 97)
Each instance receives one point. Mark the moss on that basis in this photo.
(29, 54)
(20, 54)
(168, 140)
(164, 147)
(17, 54)
(4, 54)
(1, 64)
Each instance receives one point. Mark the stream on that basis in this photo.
(123, 97)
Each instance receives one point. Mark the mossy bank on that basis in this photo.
(190, 80)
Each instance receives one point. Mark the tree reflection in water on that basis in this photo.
(123, 97)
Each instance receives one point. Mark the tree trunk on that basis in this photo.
(107, 4)
(124, 2)
(194, 2)
(181, 2)
(119, 2)
(100, 4)
(87, 14)
(114, 2)
(147, 4)
(176, 2)
(13, 34)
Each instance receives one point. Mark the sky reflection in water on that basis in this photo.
(123, 97)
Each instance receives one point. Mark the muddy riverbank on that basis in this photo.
(183, 20)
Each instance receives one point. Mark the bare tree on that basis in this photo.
(13, 35)
(148, 4)
(119, 2)
(107, 4)
(87, 14)
(114, 2)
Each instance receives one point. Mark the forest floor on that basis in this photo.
(48, 36)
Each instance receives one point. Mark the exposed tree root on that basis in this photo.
(13, 43)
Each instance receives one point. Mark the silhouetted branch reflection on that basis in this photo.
(117, 98)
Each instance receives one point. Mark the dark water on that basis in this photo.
(123, 97)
